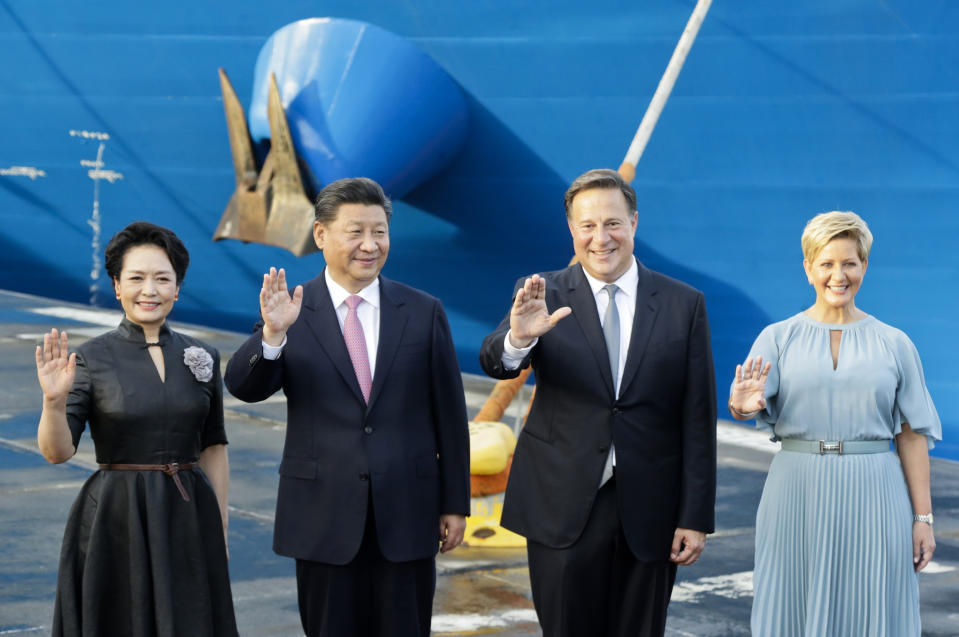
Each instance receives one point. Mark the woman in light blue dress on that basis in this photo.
(845, 523)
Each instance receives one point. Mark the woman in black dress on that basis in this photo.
(144, 551)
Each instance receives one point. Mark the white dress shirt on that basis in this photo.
(368, 312)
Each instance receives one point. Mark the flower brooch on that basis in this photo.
(200, 362)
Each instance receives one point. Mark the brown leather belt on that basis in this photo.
(170, 469)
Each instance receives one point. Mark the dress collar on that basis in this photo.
(132, 332)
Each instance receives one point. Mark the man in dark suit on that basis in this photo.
(613, 479)
(375, 468)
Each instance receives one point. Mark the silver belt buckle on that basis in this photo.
(824, 447)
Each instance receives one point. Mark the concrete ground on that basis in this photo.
(480, 589)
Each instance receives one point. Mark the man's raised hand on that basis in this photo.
(529, 318)
(277, 308)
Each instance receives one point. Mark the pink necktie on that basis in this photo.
(356, 346)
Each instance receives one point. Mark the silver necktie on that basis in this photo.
(611, 334)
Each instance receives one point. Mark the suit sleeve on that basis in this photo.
(450, 420)
(698, 490)
(491, 352)
(249, 375)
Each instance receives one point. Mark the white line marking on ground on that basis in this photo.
(936, 567)
(731, 586)
(275, 425)
(266, 588)
(107, 318)
(728, 433)
(19, 446)
(82, 331)
(244, 513)
(450, 623)
(229, 401)
(16, 631)
(55, 486)
(742, 530)
(501, 580)
(739, 585)
(453, 567)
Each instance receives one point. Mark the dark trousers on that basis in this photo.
(596, 586)
(369, 597)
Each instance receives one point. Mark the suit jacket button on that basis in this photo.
(364, 477)
(367, 429)
(617, 411)
(603, 449)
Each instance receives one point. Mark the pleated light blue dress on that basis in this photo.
(834, 533)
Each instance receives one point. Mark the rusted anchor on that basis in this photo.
(269, 206)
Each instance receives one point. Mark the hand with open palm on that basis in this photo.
(56, 369)
(529, 318)
(278, 308)
(749, 386)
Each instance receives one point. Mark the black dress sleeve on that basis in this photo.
(214, 431)
(79, 400)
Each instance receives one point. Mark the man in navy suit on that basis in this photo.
(614, 476)
(375, 468)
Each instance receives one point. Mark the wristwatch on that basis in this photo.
(925, 517)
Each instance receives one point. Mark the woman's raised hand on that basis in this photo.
(55, 368)
(749, 387)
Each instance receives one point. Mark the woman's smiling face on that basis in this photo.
(147, 285)
(836, 274)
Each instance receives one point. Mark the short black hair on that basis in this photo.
(361, 190)
(141, 233)
(600, 178)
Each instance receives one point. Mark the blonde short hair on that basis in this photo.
(827, 226)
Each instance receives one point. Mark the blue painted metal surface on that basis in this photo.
(783, 110)
(360, 101)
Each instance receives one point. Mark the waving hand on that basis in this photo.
(529, 317)
(749, 386)
(55, 369)
(278, 309)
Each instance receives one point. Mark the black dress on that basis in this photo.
(138, 559)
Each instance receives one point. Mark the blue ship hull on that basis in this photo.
(113, 113)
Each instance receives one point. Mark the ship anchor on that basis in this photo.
(269, 205)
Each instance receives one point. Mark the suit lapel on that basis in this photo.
(583, 304)
(393, 318)
(644, 319)
(320, 316)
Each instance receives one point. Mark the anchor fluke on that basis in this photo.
(269, 205)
